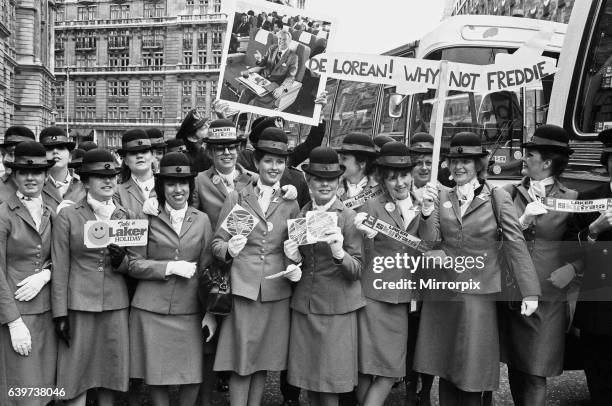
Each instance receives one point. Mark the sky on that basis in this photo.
(376, 26)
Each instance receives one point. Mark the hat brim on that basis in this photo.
(354, 151)
(41, 167)
(10, 144)
(557, 148)
(139, 148)
(323, 174)
(396, 166)
(75, 165)
(102, 172)
(175, 175)
(160, 145)
(68, 144)
(273, 151)
(466, 155)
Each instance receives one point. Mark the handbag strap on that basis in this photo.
(496, 214)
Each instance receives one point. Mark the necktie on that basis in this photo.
(537, 188)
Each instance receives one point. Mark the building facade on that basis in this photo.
(551, 10)
(139, 63)
(26, 63)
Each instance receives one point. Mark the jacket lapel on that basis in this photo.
(452, 197)
(45, 219)
(165, 218)
(523, 190)
(22, 211)
(251, 200)
(187, 221)
(483, 197)
(274, 203)
(220, 185)
(51, 191)
(395, 213)
(134, 190)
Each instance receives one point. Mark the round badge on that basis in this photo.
(390, 207)
(270, 226)
(497, 169)
(340, 191)
(216, 179)
(443, 164)
(518, 155)
(447, 205)
(98, 234)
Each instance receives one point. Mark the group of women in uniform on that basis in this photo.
(71, 319)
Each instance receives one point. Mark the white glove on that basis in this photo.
(236, 244)
(20, 337)
(151, 206)
(63, 203)
(369, 232)
(292, 250)
(532, 210)
(294, 273)
(209, 321)
(529, 305)
(31, 286)
(335, 239)
(289, 192)
(183, 269)
(430, 195)
(562, 276)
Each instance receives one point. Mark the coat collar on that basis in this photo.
(87, 212)
(20, 210)
(479, 199)
(133, 189)
(557, 189)
(187, 221)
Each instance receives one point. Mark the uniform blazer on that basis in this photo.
(263, 254)
(594, 309)
(475, 235)
(545, 236)
(129, 196)
(382, 246)
(83, 278)
(172, 294)
(24, 251)
(51, 195)
(329, 286)
(7, 187)
(210, 196)
(284, 70)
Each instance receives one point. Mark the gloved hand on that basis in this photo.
(335, 239)
(117, 254)
(183, 269)
(62, 328)
(236, 244)
(529, 305)
(562, 276)
(289, 192)
(532, 210)
(294, 273)
(321, 99)
(292, 250)
(20, 337)
(430, 195)
(31, 286)
(151, 206)
(63, 203)
(209, 326)
(358, 222)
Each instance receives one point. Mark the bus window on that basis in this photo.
(594, 107)
(394, 127)
(355, 108)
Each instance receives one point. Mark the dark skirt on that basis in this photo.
(534, 344)
(37, 370)
(458, 340)
(98, 356)
(254, 337)
(382, 330)
(166, 349)
(323, 352)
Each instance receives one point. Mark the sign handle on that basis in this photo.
(440, 105)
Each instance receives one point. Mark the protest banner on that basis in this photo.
(125, 233)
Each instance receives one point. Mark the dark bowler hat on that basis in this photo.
(175, 165)
(98, 162)
(221, 132)
(260, 124)
(357, 143)
(323, 163)
(16, 134)
(76, 158)
(273, 141)
(381, 140)
(134, 140)
(30, 155)
(418, 143)
(606, 138)
(156, 136)
(395, 155)
(466, 145)
(192, 123)
(175, 145)
(88, 145)
(52, 137)
(550, 137)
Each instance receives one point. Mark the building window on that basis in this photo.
(119, 59)
(86, 40)
(59, 61)
(118, 39)
(123, 112)
(61, 113)
(201, 57)
(112, 112)
(158, 88)
(79, 112)
(86, 88)
(187, 57)
(213, 89)
(186, 87)
(146, 88)
(90, 112)
(59, 13)
(145, 113)
(217, 38)
(60, 88)
(189, 6)
(91, 88)
(119, 11)
(85, 13)
(158, 112)
(153, 9)
(85, 60)
(202, 40)
(80, 88)
(201, 88)
(216, 6)
(118, 88)
(216, 57)
(187, 39)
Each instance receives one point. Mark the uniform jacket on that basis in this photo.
(545, 236)
(210, 191)
(83, 278)
(382, 246)
(475, 235)
(7, 187)
(283, 71)
(594, 309)
(24, 251)
(263, 254)
(329, 287)
(51, 195)
(172, 294)
(129, 196)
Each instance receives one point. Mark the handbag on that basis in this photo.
(214, 290)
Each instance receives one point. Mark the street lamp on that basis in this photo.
(67, 91)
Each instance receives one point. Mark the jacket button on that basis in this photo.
(38, 246)
(100, 269)
(603, 276)
(265, 233)
(38, 255)
(263, 241)
(261, 257)
(263, 250)
(604, 251)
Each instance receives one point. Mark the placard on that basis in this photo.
(318, 223)
(297, 231)
(239, 221)
(125, 233)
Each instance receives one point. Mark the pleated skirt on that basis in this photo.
(166, 349)
(254, 337)
(382, 338)
(323, 352)
(37, 370)
(98, 356)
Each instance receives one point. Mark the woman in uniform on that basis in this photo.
(534, 346)
(165, 323)
(89, 295)
(158, 146)
(254, 338)
(28, 346)
(323, 345)
(357, 154)
(458, 334)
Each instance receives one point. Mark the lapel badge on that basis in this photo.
(390, 207)
(270, 226)
(216, 179)
(340, 191)
(447, 205)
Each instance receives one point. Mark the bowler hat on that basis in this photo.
(221, 132)
(156, 137)
(175, 165)
(190, 125)
(466, 145)
(52, 137)
(16, 134)
(134, 140)
(88, 145)
(98, 162)
(418, 143)
(76, 158)
(550, 137)
(395, 155)
(260, 124)
(381, 140)
(357, 143)
(273, 141)
(323, 163)
(175, 145)
(30, 155)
